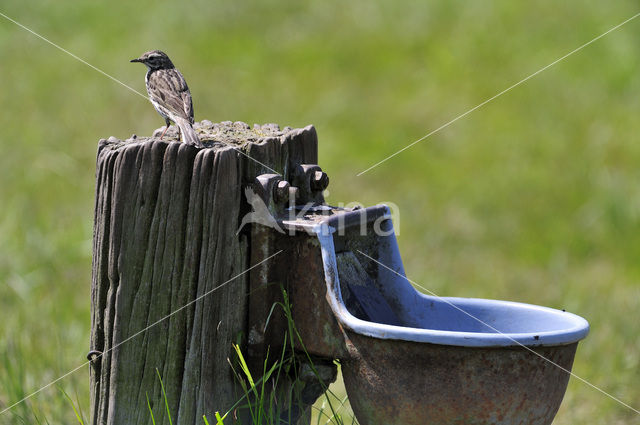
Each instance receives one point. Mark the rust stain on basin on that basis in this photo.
(392, 382)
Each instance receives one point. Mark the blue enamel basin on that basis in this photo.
(422, 359)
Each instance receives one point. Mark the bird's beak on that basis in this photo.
(136, 60)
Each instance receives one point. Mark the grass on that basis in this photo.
(270, 403)
(266, 401)
(533, 197)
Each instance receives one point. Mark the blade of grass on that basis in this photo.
(286, 306)
(78, 404)
(164, 395)
(35, 415)
(246, 395)
(245, 369)
(153, 420)
(335, 414)
(73, 406)
(219, 419)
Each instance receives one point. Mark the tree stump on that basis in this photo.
(165, 237)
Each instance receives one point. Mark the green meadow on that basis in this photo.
(533, 197)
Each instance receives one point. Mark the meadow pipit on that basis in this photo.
(169, 94)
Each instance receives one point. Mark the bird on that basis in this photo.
(169, 94)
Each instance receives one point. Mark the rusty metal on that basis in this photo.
(94, 355)
(392, 382)
(267, 323)
(297, 272)
(281, 191)
(311, 181)
(275, 192)
(319, 180)
(312, 380)
(316, 324)
(265, 186)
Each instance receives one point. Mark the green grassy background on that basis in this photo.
(535, 197)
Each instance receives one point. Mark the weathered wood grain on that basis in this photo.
(166, 216)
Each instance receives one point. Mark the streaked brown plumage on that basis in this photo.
(169, 94)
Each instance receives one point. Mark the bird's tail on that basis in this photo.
(189, 135)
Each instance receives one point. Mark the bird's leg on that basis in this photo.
(168, 123)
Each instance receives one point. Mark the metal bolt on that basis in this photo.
(281, 191)
(94, 355)
(319, 181)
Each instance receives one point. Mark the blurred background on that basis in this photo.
(534, 197)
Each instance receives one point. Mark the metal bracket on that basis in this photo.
(311, 181)
(307, 184)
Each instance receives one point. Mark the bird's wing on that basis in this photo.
(188, 104)
(168, 88)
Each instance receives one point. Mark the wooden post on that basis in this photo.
(165, 234)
